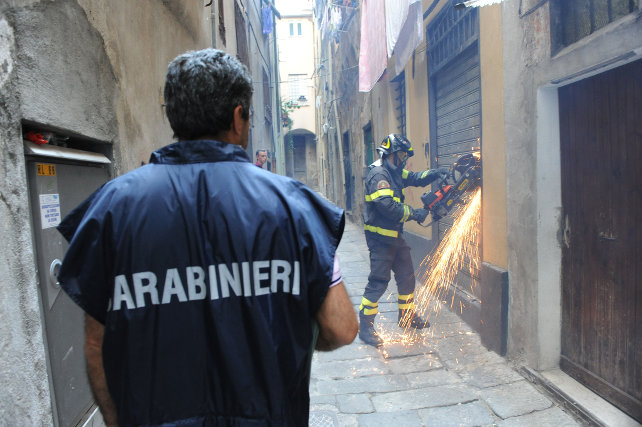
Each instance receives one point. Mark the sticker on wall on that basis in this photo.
(43, 169)
(49, 210)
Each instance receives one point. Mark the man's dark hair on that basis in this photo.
(202, 88)
(258, 151)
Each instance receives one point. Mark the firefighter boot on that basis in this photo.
(411, 319)
(408, 316)
(367, 332)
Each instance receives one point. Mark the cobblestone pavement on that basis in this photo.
(446, 378)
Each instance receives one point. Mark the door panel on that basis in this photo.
(55, 189)
(601, 153)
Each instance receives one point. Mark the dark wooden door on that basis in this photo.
(601, 153)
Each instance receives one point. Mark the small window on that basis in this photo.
(298, 87)
(298, 26)
(399, 94)
(291, 29)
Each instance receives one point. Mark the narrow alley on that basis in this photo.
(448, 380)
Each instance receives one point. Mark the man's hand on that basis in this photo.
(443, 170)
(419, 215)
(337, 321)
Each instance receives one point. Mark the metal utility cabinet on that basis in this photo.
(59, 179)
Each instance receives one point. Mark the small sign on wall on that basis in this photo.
(49, 210)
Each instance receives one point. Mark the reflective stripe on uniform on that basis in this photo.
(368, 307)
(406, 301)
(406, 213)
(382, 231)
(424, 174)
(404, 174)
(381, 193)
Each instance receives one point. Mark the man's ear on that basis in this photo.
(239, 121)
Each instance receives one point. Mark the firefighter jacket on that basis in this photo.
(207, 273)
(385, 211)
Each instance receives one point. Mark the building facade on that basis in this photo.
(296, 34)
(537, 88)
(86, 78)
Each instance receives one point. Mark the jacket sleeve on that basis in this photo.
(386, 203)
(419, 179)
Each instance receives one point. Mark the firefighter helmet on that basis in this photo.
(395, 142)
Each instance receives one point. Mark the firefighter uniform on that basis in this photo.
(384, 218)
(195, 264)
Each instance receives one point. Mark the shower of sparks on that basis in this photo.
(459, 250)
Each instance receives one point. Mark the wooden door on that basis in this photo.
(601, 154)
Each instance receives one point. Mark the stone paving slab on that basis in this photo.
(432, 378)
(511, 400)
(423, 398)
(338, 369)
(552, 417)
(412, 364)
(397, 419)
(380, 383)
(355, 404)
(467, 414)
(485, 375)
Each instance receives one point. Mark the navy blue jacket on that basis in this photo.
(207, 273)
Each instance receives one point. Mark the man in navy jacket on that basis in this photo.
(207, 282)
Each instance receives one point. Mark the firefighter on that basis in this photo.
(384, 216)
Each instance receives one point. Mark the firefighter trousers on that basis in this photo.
(386, 257)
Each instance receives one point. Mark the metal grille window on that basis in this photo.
(399, 85)
(298, 90)
(572, 20)
(450, 34)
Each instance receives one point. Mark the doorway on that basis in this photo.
(601, 154)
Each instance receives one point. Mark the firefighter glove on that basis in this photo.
(443, 170)
(419, 215)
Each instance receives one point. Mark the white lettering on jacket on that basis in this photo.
(197, 283)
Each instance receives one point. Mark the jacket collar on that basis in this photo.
(199, 151)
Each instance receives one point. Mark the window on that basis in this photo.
(298, 87)
(299, 29)
(399, 101)
(221, 22)
(572, 20)
(242, 52)
(267, 97)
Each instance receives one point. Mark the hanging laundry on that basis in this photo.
(268, 19)
(334, 24)
(396, 14)
(372, 48)
(410, 36)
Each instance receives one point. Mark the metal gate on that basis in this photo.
(59, 180)
(601, 154)
(455, 111)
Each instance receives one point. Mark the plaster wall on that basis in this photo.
(91, 69)
(418, 131)
(493, 142)
(533, 169)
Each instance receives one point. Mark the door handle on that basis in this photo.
(54, 268)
